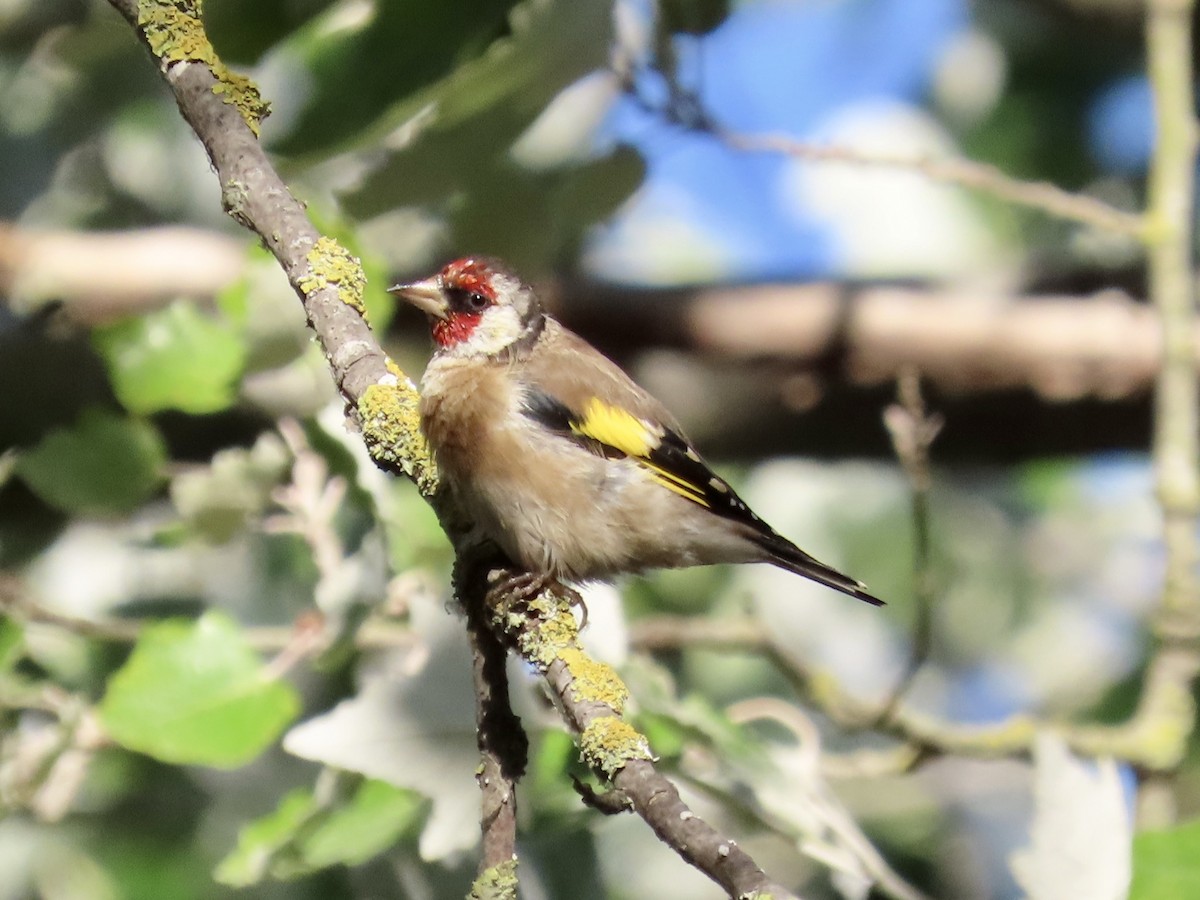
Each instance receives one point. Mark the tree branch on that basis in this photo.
(1153, 739)
(592, 698)
(1169, 240)
(329, 282)
(325, 277)
(1167, 689)
(1039, 195)
(503, 744)
(1063, 348)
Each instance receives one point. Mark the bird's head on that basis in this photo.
(476, 307)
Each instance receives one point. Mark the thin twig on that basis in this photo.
(684, 108)
(1040, 195)
(913, 431)
(1154, 739)
(371, 635)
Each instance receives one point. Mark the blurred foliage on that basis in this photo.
(104, 464)
(196, 693)
(174, 358)
(1165, 863)
(151, 468)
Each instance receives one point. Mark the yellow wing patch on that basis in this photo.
(618, 428)
(637, 439)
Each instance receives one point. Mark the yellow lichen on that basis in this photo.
(593, 681)
(544, 628)
(175, 32)
(391, 430)
(331, 264)
(239, 91)
(498, 882)
(609, 743)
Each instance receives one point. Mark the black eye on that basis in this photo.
(476, 302)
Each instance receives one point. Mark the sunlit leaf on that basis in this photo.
(376, 817)
(173, 358)
(195, 692)
(464, 125)
(304, 834)
(243, 32)
(12, 643)
(102, 464)
(360, 65)
(1165, 863)
(261, 841)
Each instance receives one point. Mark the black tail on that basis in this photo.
(783, 553)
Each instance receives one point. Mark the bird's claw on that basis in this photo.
(524, 586)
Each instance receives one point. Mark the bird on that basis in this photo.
(559, 458)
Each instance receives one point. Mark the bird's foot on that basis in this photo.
(523, 587)
(519, 588)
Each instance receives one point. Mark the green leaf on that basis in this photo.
(1166, 864)
(375, 819)
(354, 70)
(102, 464)
(173, 358)
(303, 835)
(464, 125)
(196, 693)
(12, 643)
(261, 843)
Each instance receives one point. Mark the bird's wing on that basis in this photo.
(573, 391)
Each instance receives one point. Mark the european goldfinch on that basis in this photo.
(570, 468)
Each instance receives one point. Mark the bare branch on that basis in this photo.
(1154, 738)
(102, 276)
(1062, 347)
(1040, 195)
(1169, 240)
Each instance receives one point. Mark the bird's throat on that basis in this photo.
(456, 329)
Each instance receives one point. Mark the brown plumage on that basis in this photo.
(560, 459)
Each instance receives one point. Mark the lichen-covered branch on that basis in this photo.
(224, 109)
(329, 282)
(592, 697)
(503, 744)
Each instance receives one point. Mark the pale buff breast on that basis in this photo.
(550, 505)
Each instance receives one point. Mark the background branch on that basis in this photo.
(1176, 661)
(1039, 195)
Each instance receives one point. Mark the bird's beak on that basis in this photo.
(426, 296)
